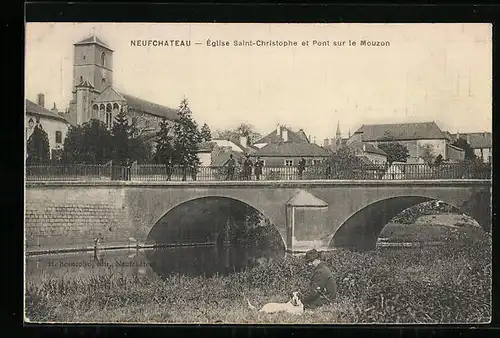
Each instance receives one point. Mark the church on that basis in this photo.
(94, 97)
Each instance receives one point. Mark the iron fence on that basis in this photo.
(155, 172)
(74, 172)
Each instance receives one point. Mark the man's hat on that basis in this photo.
(312, 255)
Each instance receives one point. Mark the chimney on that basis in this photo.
(285, 135)
(468, 138)
(243, 141)
(485, 134)
(278, 130)
(40, 100)
(54, 109)
(333, 141)
(325, 142)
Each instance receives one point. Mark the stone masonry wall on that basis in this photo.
(74, 217)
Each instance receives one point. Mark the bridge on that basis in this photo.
(323, 214)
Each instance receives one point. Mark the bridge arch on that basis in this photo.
(361, 229)
(213, 210)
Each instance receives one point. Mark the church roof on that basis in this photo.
(35, 109)
(306, 199)
(151, 108)
(93, 40)
(134, 103)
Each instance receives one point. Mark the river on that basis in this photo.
(193, 261)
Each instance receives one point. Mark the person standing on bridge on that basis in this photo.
(258, 168)
(169, 169)
(247, 168)
(323, 287)
(230, 163)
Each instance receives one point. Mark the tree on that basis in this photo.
(186, 137)
(89, 143)
(439, 159)
(427, 154)
(38, 149)
(206, 134)
(121, 134)
(164, 143)
(396, 152)
(244, 129)
(463, 144)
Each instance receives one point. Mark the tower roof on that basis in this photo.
(338, 128)
(93, 40)
(306, 199)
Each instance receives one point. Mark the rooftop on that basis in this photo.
(144, 106)
(93, 40)
(273, 137)
(401, 131)
(368, 148)
(33, 108)
(477, 140)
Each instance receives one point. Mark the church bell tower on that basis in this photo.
(93, 62)
(92, 73)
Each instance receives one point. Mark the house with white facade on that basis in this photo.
(51, 122)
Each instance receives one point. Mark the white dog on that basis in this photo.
(294, 306)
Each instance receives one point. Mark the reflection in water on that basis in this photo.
(192, 261)
(207, 261)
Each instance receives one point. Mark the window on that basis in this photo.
(288, 163)
(103, 59)
(109, 119)
(95, 109)
(58, 137)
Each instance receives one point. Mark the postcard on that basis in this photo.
(258, 173)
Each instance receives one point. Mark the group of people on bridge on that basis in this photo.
(230, 164)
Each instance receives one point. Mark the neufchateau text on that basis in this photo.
(259, 43)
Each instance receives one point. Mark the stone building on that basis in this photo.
(417, 137)
(95, 97)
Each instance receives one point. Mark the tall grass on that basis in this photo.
(446, 284)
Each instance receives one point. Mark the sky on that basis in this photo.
(428, 72)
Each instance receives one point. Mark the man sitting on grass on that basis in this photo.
(323, 287)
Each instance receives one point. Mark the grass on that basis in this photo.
(446, 284)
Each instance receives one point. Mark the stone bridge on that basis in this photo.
(322, 214)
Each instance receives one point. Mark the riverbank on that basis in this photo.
(446, 284)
